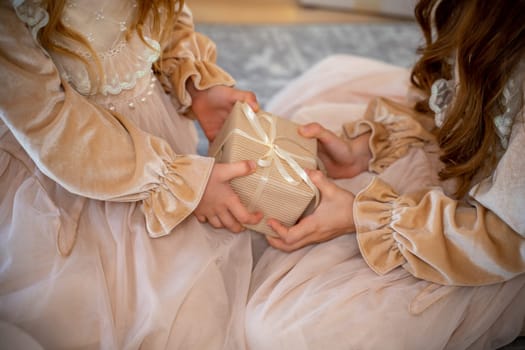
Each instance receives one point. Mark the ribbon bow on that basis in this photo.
(275, 154)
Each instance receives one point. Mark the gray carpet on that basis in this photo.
(265, 58)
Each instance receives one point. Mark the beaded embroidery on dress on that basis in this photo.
(125, 62)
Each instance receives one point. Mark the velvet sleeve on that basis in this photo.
(189, 55)
(394, 128)
(84, 148)
(436, 238)
(480, 240)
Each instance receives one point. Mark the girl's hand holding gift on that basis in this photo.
(220, 205)
(332, 218)
(212, 106)
(342, 158)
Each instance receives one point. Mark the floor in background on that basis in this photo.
(274, 11)
(264, 58)
(265, 44)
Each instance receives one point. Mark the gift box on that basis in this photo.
(280, 188)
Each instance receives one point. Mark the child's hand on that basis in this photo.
(220, 205)
(212, 106)
(342, 158)
(332, 218)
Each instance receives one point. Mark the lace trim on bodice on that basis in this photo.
(442, 96)
(123, 66)
(512, 97)
(124, 62)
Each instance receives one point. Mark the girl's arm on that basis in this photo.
(188, 60)
(435, 237)
(198, 87)
(477, 241)
(84, 148)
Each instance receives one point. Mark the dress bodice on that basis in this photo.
(125, 59)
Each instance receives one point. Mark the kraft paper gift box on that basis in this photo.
(280, 188)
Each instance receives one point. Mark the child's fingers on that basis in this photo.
(201, 218)
(318, 131)
(280, 244)
(242, 215)
(246, 96)
(229, 222)
(277, 227)
(311, 130)
(251, 99)
(319, 180)
(291, 238)
(237, 169)
(215, 222)
(277, 243)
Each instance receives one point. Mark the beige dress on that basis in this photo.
(423, 271)
(98, 179)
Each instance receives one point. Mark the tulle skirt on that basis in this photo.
(78, 273)
(325, 296)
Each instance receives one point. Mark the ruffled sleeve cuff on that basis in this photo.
(192, 57)
(394, 130)
(204, 75)
(180, 189)
(374, 209)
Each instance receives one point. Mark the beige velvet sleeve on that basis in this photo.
(394, 129)
(189, 55)
(435, 237)
(86, 149)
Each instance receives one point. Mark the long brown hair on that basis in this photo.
(163, 15)
(488, 38)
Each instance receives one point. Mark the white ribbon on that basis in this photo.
(275, 154)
